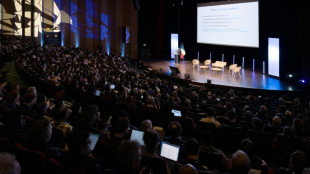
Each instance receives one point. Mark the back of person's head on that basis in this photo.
(210, 112)
(229, 106)
(29, 98)
(192, 147)
(288, 114)
(257, 124)
(39, 132)
(41, 109)
(298, 124)
(146, 125)
(276, 121)
(41, 98)
(298, 161)
(59, 104)
(121, 124)
(221, 110)
(261, 114)
(174, 129)
(151, 140)
(89, 115)
(78, 142)
(187, 169)
(232, 115)
(248, 147)
(8, 164)
(93, 109)
(13, 121)
(248, 116)
(129, 156)
(207, 138)
(288, 132)
(76, 107)
(241, 163)
(11, 97)
(62, 115)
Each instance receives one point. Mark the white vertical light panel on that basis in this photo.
(1, 15)
(28, 18)
(174, 44)
(18, 31)
(273, 57)
(57, 16)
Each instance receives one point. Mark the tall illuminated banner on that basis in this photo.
(174, 44)
(274, 56)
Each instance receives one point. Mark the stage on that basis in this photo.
(248, 79)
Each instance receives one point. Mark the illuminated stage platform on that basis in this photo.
(248, 79)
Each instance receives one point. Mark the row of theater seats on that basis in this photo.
(35, 161)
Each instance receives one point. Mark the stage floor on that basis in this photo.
(248, 79)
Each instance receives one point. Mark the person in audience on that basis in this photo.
(38, 137)
(298, 161)
(247, 116)
(146, 125)
(298, 125)
(128, 158)
(25, 108)
(232, 120)
(257, 124)
(89, 119)
(221, 115)
(12, 101)
(60, 123)
(110, 146)
(78, 154)
(174, 130)
(14, 127)
(287, 119)
(59, 107)
(187, 169)
(249, 148)
(75, 116)
(8, 164)
(240, 163)
(210, 118)
(150, 158)
(276, 126)
(192, 154)
(276, 121)
(207, 145)
(151, 141)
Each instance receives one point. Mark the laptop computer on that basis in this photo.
(169, 151)
(137, 136)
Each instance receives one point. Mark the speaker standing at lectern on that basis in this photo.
(177, 55)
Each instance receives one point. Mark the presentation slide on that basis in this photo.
(235, 24)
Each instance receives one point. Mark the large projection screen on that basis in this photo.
(230, 23)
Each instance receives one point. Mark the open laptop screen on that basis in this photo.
(169, 151)
(137, 136)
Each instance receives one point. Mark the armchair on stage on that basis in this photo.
(207, 64)
(218, 66)
(195, 62)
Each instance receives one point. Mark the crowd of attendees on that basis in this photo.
(110, 97)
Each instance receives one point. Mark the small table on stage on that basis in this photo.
(204, 67)
(216, 69)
